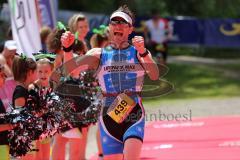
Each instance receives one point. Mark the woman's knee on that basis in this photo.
(113, 157)
(129, 152)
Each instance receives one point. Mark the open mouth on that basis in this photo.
(43, 79)
(118, 34)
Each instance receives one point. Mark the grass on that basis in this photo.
(197, 82)
(220, 53)
(232, 67)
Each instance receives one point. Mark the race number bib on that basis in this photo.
(121, 107)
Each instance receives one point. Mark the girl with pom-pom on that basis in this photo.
(44, 70)
(24, 72)
(77, 137)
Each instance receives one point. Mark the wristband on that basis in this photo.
(68, 49)
(144, 54)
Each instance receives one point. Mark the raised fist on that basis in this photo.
(138, 43)
(67, 39)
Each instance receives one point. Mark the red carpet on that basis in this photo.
(211, 138)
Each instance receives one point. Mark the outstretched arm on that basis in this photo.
(90, 61)
(80, 63)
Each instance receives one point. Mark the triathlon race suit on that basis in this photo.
(120, 72)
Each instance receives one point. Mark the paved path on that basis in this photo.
(197, 108)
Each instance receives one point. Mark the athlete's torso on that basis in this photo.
(120, 71)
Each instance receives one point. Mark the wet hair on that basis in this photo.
(21, 66)
(54, 40)
(125, 9)
(72, 23)
(45, 61)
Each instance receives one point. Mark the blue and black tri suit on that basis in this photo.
(120, 71)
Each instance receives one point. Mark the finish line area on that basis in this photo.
(208, 138)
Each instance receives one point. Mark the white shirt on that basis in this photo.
(158, 32)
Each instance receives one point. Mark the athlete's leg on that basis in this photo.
(112, 148)
(133, 137)
(113, 157)
(132, 149)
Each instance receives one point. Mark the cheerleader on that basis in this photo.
(44, 70)
(24, 72)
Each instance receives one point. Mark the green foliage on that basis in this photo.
(199, 81)
(95, 6)
(196, 8)
(232, 67)
(220, 53)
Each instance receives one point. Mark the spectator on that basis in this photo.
(100, 37)
(4, 147)
(54, 46)
(79, 23)
(76, 137)
(44, 32)
(160, 33)
(6, 60)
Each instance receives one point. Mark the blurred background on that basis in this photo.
(203, 52)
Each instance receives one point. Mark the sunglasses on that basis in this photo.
(120, 22)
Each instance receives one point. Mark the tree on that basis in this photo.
(196, 8)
